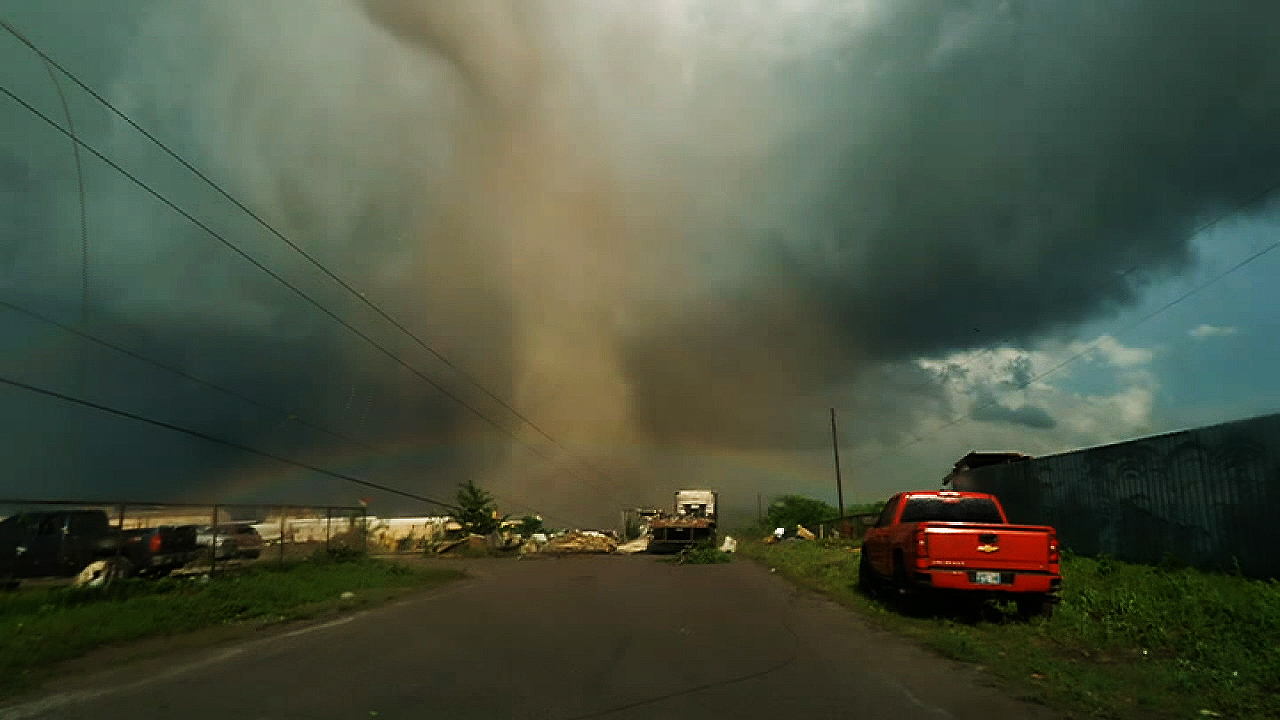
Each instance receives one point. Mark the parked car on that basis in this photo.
(160, 550)
(234, 541)
(53, 544)
(62, 543)
(960, 542)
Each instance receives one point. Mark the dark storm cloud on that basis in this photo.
(309, 400)
(670, 223)
(993, 169)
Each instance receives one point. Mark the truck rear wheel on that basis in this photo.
(867, 578)
(900, 580)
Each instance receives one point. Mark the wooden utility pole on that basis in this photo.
(835, 448)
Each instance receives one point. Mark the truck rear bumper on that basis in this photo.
(1010, 581)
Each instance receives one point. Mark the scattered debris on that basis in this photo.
(348, 595)
(639, 545)
(447, 545)
(804, 534)
(729, 545)
(102, 572)
(582, 541)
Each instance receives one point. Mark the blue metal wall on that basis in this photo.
(1209, 496)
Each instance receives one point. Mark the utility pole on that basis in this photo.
(759, 508)
(835, 448)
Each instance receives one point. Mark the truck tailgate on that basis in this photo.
(993, 547)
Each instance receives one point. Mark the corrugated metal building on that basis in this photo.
(1210, 497)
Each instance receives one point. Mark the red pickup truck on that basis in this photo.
(960, 541)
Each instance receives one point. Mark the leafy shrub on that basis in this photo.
(701, 554)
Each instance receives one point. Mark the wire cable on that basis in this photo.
(281, 280)
(1090, 347)
(221, 441)
(517, 503)
(294, 246)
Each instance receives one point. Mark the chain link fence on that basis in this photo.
(47, 540)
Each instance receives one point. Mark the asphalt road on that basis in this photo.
(582, 637)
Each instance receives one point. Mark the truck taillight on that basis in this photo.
(922, 543)
(1053, 547)
(155, 543)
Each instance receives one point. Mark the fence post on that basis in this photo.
(120, 533)
(213, 544)
(328, 522)
(282, 515)
(364, 529)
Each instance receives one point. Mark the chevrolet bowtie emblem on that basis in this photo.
(988, 548)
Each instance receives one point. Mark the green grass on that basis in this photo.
(43, 627)
(1127, 641)
(702, 554)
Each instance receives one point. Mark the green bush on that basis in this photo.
(789, 511)
(477, 509)
(700, 554)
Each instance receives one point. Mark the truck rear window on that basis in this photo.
(970, 510)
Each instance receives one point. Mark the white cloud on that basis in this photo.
(1203, 332)
(1005, 383)
(1119, 356)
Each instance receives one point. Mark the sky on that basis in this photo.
(670, 235)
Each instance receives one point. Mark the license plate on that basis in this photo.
(987, 578)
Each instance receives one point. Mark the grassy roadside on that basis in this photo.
(1127, 641)
(41, 628)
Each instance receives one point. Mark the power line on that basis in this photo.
(293, 246)
(278, 278)
(211, 385)
(220, 441)
(188, 376)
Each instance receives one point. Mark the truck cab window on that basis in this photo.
(51, 525)
(966, 510)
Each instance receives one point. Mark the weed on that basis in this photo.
(43, 626)
(339, 554)
(1126, 641)
(701, 554)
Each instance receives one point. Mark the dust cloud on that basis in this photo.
(675, 232)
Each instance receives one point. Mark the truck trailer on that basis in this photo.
(693, 522)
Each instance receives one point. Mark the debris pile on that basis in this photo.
(781, 535)
(102, 572)
(581, 542)
(639, 545)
